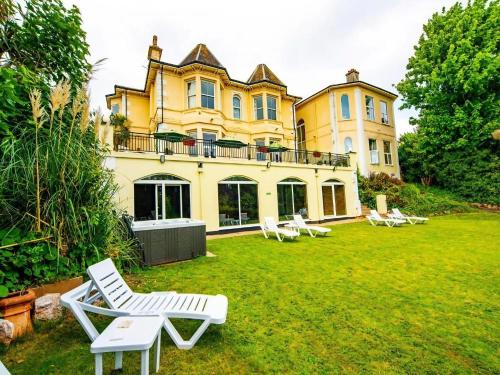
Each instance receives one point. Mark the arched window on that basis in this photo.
(344, 101)
(238, 202)
(334, 202)
(348, 144)
(236, 107)
(161, 196)
(292, 198)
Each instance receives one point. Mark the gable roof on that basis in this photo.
(201, 54)
(263, 73)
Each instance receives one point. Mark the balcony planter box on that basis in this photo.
(16, 308)
(263, 149)
(188, 142)
(316, 154)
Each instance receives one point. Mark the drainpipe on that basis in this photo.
(294, 131)
(161, 88)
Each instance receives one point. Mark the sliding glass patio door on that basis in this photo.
(334, 202)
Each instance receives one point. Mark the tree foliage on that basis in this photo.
(453, 81)
(40, 44)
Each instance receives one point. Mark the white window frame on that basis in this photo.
(384, 115)
(332, 185)
(239, 182)
(370, 107)
(387, 155)
(272, 110)
(345, 145)
(292, 183)
(235, 107)
(207, 95)
(344, 117)
(256, 109)
(163, 183)
(191, 96)
(374, 159)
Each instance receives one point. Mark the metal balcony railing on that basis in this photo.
(141, 142)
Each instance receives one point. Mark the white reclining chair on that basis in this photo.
(396, 214)
(107, 284)
(270, 226)
(375, 219)
(313, 230)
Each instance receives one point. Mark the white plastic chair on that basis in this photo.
(270, 226)
(107, 284)
(313, 230)
(396, 214)
(375, 219)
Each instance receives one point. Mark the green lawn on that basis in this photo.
(416, 299)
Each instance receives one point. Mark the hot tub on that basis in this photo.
(171, 240)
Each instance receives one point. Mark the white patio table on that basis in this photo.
(129, 333)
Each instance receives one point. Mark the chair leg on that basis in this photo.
(98, 364)
(145, 362)
(158, 346)
(178, 340)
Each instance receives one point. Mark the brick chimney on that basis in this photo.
(352, 76)
(154, 52)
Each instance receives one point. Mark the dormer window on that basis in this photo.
(271, 107)
(258, 107)
(207, 94)
(236, 107)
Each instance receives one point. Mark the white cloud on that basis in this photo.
(308, 45)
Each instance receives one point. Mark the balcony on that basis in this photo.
(196, 148)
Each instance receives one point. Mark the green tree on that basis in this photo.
(452, 81)
(40, 44)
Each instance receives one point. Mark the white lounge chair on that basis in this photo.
(270, 226)
(313, 230)
(375, 219)
(396, 214)
(107, 284)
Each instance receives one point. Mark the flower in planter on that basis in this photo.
(316, 154)
(189, 142)
(263, 149)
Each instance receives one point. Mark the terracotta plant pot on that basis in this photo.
(16, 308)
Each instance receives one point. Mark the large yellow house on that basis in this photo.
(352, 116)
(200, 144)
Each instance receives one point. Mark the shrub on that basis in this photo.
(415, 199)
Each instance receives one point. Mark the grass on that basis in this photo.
(416, 299)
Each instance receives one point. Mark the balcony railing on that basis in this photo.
(141, 142)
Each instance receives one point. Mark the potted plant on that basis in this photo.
(263, 149)
(189, 142)
(316, 154)
(121, 125)
(16, 308)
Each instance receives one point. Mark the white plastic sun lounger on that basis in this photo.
(396, 214)
(107, 284)
(270, 226)
(313, 230)
(375, 219)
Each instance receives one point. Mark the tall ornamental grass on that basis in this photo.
(53, 186)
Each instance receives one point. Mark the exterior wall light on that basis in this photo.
(200, 165)
(162, 158)
(268, 165)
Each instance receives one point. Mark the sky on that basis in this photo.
(307, 44)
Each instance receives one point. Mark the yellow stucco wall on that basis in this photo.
(144, 110)
(130, 167)
(316, 115)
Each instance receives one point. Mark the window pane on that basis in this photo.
(186, 201)
(370, 110)
(258, 108)
(327, 200)
(144, 202)
(191, 101)
(340, 200)
(300, 200)
(348, 144)
(345, 107)
(228, 205)
(260, 114)
(191, 88)
(172, 202)
(207, 88)
(249, 204)
(285, 203)
(271, 107)
(236, 113)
